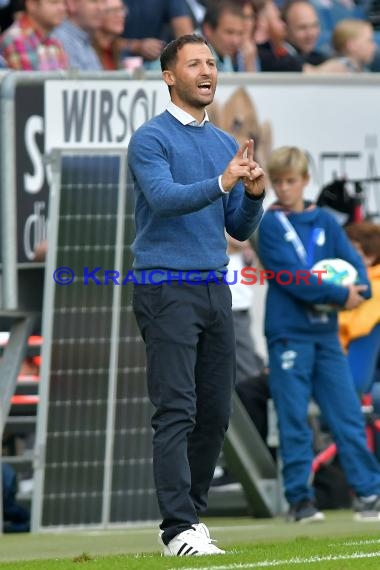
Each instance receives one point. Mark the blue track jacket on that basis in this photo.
(289, 308)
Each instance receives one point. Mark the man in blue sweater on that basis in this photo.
(192, 183)
(305, 357)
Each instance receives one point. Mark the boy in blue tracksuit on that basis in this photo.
(305, 356)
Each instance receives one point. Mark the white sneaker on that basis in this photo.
(192, 542)
(202, 529)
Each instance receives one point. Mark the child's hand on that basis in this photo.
(354, 298)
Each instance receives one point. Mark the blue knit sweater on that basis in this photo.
(289, 309)
(180, 212)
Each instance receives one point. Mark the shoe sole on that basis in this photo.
(369, 516)
(317, 518)
(168, 553)
(227, 487)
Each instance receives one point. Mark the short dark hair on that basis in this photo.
(169, 54)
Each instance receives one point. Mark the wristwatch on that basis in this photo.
(253, 197)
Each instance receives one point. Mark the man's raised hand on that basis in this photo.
(254, 184)
(243, 167)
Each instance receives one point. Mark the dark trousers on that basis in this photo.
(190, 346)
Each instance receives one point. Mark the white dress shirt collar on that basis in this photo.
(184, 117)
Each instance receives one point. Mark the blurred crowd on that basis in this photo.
(316, 36)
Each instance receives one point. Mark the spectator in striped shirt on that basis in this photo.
(27, 44)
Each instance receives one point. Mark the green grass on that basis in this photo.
(338, 544)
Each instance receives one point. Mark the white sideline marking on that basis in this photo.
(272, 563)
(358, 542)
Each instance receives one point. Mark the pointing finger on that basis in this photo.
(242, 149)
(250, 149)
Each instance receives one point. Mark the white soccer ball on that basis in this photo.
(337, 271)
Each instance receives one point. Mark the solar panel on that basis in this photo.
(94, 437)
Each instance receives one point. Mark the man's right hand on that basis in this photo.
(354, 298)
